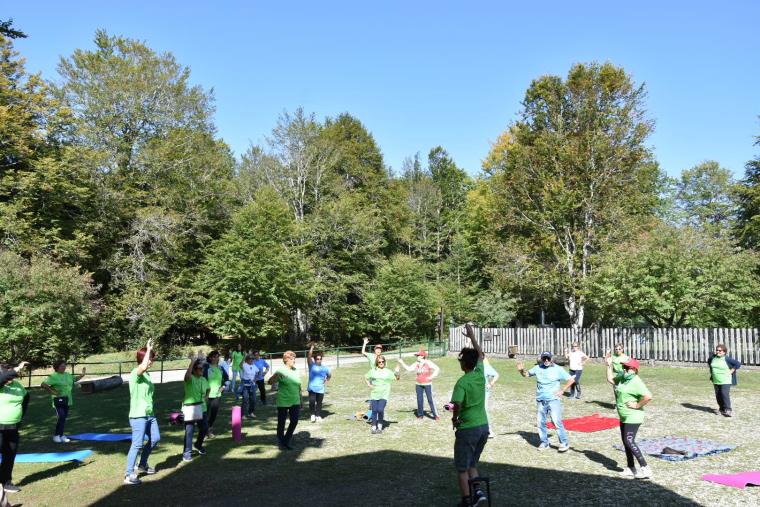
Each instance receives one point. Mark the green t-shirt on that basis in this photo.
(720, 371)
(381, 379)
(63, 383)
(140, 395)
(11, 402)
(370, 358)
(195, 391)
(214, 381)
(470, 394)
(632, 390)
(288, 387)
(237, 360)
(617, 363)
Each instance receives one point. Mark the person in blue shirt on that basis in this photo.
(263, 368)
(549, 397)
(318, 375)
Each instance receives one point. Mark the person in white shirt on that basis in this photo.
(248, 374)
(577, 359)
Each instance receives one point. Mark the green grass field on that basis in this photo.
(338, 462)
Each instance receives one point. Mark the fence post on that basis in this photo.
(161, 380)
(30, 378)
(337, 357)
(120, 368)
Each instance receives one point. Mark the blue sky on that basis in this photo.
(424, 73)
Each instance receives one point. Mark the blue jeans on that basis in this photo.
(554, 409)
(427, 390)
(248, 389)
(233, 383)
(377, 407)
(142, 427)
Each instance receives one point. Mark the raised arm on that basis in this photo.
(309, 358)
(402, 363)
(494, 377)
(189, 371)
(610, 373)
(521, 369)
(143, 366)
(365, 341)
(80, 377)
(470, 333)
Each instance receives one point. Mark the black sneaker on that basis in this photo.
(147, 470)
(480, 498)
(201, 450)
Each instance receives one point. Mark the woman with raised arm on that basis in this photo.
(60, 384)
(425, 371)
(217, 379)
(630, 397)
(194, 407)
(142, 418)
(288, 398)
(379, 381)
(14, 401)
(318, 376)
(723, 375)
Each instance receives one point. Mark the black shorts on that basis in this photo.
(468, 445)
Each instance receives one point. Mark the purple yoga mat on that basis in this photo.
(739, 480)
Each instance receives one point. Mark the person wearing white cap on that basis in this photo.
(549, 397)
(426, 370)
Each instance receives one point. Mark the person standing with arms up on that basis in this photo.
(142, 418)
(318, 376)
(425, 371)
(549, 397)
(60, 384)
(371, 358)
(237, 357)
(723, 375)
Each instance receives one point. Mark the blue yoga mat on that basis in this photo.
(102, 437)
(53, 457)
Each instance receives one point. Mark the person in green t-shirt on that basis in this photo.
(194, 409)
(371, 358)
(289, 395)
(379, 380)
(469, 419)
(236, 367)
(630, 397)
(217, 379)
(142, 418)
(60, 384)
(14, 401)
(723, 376)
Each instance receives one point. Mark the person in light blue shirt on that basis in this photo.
(318, 376)
(549, 376)
(263, 367)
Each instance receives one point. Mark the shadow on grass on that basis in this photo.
(530, 437)
(597, 457)
(369, 479)
(603, 404)
(700, 408)
(51, 472)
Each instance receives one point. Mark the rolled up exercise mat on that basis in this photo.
(102, 437)
(53, 457)
(100, 384)
(237, 423)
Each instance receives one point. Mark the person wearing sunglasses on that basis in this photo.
(631, 394)
(723, 376)
(379, 380)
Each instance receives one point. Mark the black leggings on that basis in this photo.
(8, 450)
(262, 391)
(62, 411)
(283, 413)
(628, 434)
(315, 402)
(213, 409)
(723, 396)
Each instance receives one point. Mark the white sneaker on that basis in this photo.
(64, 439)
(319, 419)
(313, 418)
(11, 488)
(57, 439)
(643, 473)
(628, 473)
(563, 447)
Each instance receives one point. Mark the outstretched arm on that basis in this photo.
(470, 333)
(402, 363)
(143, 366)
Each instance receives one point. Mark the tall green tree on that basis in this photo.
(748, 196)
(572, 176)
(705, 198)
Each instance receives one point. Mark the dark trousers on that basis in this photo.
(262, 391)
(378, 412)
(249, 396)
(723, 396)
(575, 390)
(428, 391)
(62, 411)
(190, 429)
(8, 450)
(628, 433)
(315, 402)
(213, 410)
(283, 413)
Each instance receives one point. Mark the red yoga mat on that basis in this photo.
(588, 423)
(739, 480)
(237, 423)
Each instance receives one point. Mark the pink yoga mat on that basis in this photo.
(739, 480)
(237, 423)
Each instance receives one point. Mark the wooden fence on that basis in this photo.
(673, 344)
